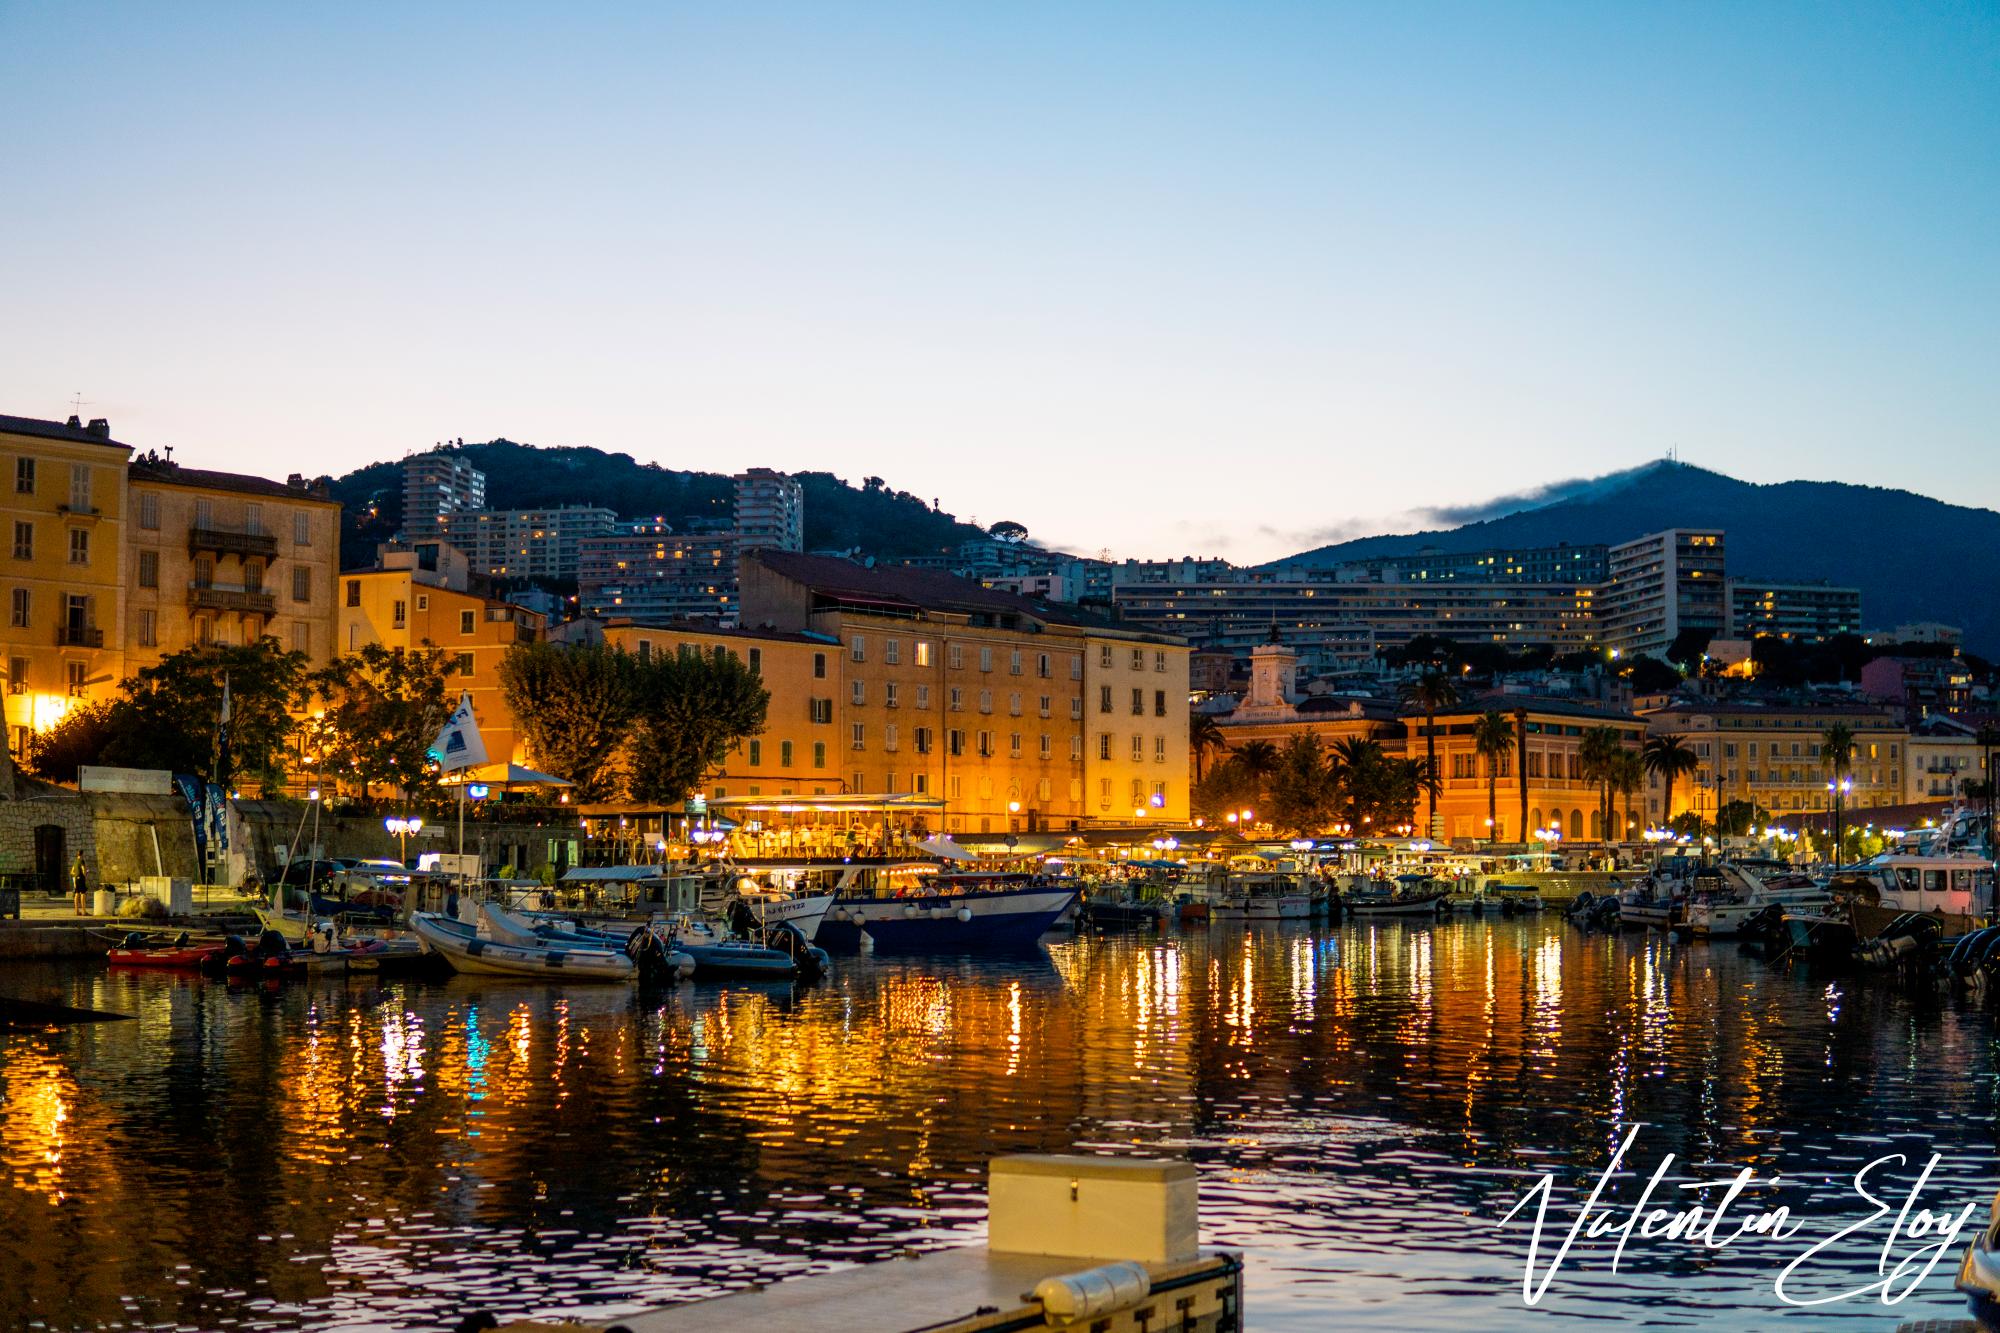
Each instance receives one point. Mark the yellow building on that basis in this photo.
(1559, 797)
(217, 557)
(1770, 756)
(976, 697)
(65, 515)
(795, 754)
(420, 597)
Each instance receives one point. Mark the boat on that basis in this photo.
(946, 912)
(1112, 906)
(1823, 932)
(181, 953)
(1514, 899)
(782, 954)
(1955, 887)
(462, 947)
(1421, 903)
(497, 923)
(758, 907)
(1262, 896)
(1720, 911)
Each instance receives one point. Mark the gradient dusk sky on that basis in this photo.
(1217, 280)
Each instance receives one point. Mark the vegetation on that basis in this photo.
(1598, 754)
(1428, 694)
(375, 714)
(1204, 735)
(1304, 789)
(1492, 737)
(1669, 758)
(688, 712)
(574, 704)
(80, 738)
(1736, 818)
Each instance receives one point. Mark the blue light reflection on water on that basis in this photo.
(1364, 1104)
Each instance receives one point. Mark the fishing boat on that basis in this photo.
(1514, 899)
(1720, 911)
(1411, 903)
(947, 912)
(526, 931)
(1262, 896)
(1955, 887)
(181, 953)
(462, 947)
(1114, 911)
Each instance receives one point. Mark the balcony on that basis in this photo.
(226, 541)
(208, 597)
(79, 636)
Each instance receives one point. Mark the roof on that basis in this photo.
(59, 430)
(900, 587)
(173, 474)
(1754, 708)
(1514, 703)
(711, 630)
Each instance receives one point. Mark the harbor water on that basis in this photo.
(1365, 1104)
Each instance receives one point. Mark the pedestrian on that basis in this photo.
(79, 883)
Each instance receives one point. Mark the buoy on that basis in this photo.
(965, 914)
(1096, 1291)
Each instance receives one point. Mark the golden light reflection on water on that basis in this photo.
(35, 1121)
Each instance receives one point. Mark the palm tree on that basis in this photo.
(1492, 737)
(1521, 758)
(1356, 761)
(1598, 751)
(1628, 775)
(1259, 759)
(1836, 751)
(1203, 735)
(1669, 756)
(1430, 692)
(1988, 740)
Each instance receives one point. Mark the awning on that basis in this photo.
(946, 849)
(503, 775)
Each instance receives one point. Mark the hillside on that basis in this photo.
(1913, 557)
(871, 517)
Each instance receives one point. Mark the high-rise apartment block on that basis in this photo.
(526, 543)
(770, 511)
(436, 484)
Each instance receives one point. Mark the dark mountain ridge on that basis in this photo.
(1913, 557)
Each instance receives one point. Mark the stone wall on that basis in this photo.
(20, 818)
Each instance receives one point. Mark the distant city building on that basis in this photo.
(436, 484)
(1810, 611)
(770, 511)
(644, 572)
(1660, 585)
(526, 543)
(1920, 686)
(1924, 631)
(1944, 755)
(1769, 755)
(1534, 564)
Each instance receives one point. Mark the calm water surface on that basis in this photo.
(1364, 1103)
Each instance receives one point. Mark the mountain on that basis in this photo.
(871, 517)
(1914, 558)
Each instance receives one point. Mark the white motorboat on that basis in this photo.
(1262, 896)
(467, 952)
(1719, 911)
(1955, 887)
(1417, 904)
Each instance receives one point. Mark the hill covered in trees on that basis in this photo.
(870, 518)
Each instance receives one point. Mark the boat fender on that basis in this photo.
(965, 914)
(910, 912)
(1093, 1293)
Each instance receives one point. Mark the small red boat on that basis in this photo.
(186, 957)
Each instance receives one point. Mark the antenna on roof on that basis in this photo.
(79, 402)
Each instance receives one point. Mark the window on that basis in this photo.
(645, 650)
(302, 583)
(1138, 703)
(1076, 666)
(79, 487)
(18, 613)
(1014, 662)
(353, 637)
(1076, 749)
(1159, 749)
(1042, 665)
(1014, 703)
(17, 676)
(756, 661)
(1138, 749)
(149, 511)
(354, 592)
(149, 569)
(302, 531)
(888, 694)
(79, 546)
(77, 674)
(1104, 656)
(1103, 698)
(923, 696)
(204, 513)
(1159, 703)
(819, 666)
(253, 576)
(756, 753)
(921, 783)
(785, 754)
(819, 754)
(1076, 710)
(301, 637)
(1104, 745)
(1048, 747)
(957, 699)
(1014, 745)
(822, 711)
(923, 653)
(858, 735)
(402, 614)
(857, 648)
(955, 657)
(253, 518)
(859, 691)
(921, 739)
(24, 540)
(985, 745)
(468, 622)
(986, 701)
(985, 659)
(1159, 661)
(24, 476)
(890, 742)
(463, 661)
(1045, 705)
(892, 651)
(1138, 659)
(954, 742)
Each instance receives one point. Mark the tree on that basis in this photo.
(1668, 757)
(377, 712)
(1204, 734)
(1357, 761)
(1007, 530)
(1598, 753)
(1521, 758)
(1628, 775)
(574, 705)
(688, 713)
(1988, 740)
(79, 739)
(1260, 760)
(169, 713)
(1227, 787)
(1303, 789)
(1430, 692)
(1492, 737)
(1735, 819)
(1836, 751)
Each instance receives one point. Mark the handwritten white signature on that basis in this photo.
(1713, 1215)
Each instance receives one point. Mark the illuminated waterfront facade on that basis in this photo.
(1770, 755)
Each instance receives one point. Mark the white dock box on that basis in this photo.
(1078, 1207)
(175, 894)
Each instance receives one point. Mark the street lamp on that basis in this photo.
(403, 828)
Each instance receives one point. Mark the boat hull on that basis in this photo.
(1418, 907)
(956, 923)
(1870, 920)
(469, 954)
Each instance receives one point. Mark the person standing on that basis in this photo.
(79, 883)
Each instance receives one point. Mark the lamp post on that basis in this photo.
(403, 828)
(1839, 790)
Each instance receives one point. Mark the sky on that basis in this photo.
(1230, 280)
